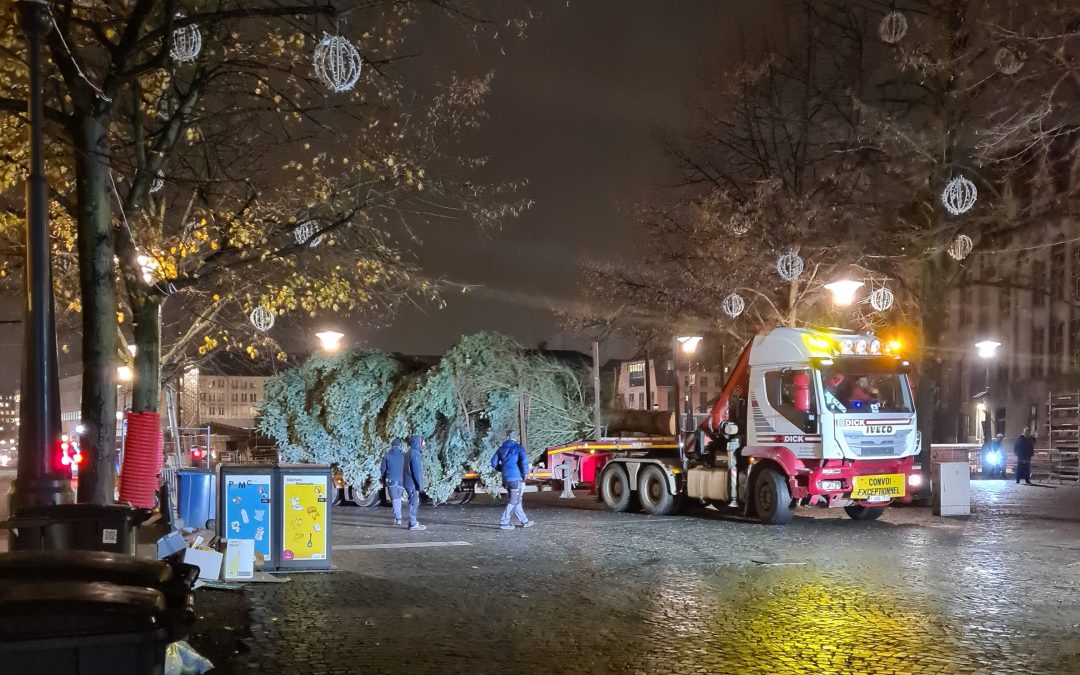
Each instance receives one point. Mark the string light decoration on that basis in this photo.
(881, 299)
(789, 266)
(893, 28)
(186, 43)
(961, 247)
(158, 183)
(959, 195)
(1008, 60)
(739, 224)
(303, 233)
(262, 318)
(337, 63)
(733, 305)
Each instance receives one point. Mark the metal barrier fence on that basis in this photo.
(1048, 464)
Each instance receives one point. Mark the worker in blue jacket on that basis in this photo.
(414, 479)
(393, 472)
(512, 460)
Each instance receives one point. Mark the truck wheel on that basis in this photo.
(653, 492)
(615, 489)
(772, 499)
(358, 497)
(860, 512)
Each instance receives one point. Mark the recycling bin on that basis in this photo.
(196, 501)
(246, 497)
(304, 514)
(84, 527)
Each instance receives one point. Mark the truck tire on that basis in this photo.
(358, 497)
(772, 498)
(860, 512)
(653, 492)
(615, 489)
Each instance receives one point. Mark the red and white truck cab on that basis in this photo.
(807, 417)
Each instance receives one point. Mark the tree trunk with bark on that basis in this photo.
(146, 394)
(932, 308)
(97, 283)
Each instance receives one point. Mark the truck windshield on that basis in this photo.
(866, 386)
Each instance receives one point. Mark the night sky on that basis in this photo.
(577, 109)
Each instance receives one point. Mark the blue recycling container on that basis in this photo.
(196, 500)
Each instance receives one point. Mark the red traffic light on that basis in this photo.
(197, 453)
(69, 453)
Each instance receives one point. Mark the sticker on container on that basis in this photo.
(305, 523)
(108, 536)
(247, 495)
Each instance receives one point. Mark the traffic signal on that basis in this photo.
(70, 456)
(197, 454)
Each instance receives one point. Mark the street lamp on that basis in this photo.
(330, 340)
(124, 374)
(688, 345)
(843, 291)
(987, 350)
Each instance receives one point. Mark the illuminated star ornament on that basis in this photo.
(262, 318)
(337, 63)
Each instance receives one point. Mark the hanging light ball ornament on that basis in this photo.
(158, 182)
(893, 28)
(789, 266)
(739, 224)
(733, 305)
(961, 247)
(959, 195)
(881, 299)
(1008, 60)
(337, 63)
(262, 318)
(186, 43)
(303, 233)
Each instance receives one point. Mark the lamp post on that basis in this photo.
(987, 350)
(39, 482)
(330, 340)
(687, 345)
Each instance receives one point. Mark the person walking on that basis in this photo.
(414, 479)
(1024, 449)
(512, 460)
(393, 473)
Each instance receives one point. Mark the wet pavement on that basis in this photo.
(591, 591)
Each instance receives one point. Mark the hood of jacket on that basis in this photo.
(395, 445)
(414, 442)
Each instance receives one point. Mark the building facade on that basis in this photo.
(1029, 301)
(700, 386)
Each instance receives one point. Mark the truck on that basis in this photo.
(808, 417)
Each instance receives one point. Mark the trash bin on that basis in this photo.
(196, 500)
(90, 612)
(84, 527)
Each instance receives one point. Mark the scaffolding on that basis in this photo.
(1063, 433)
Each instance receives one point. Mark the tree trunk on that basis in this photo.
(97, 285)
(146, 394)
(932, 309)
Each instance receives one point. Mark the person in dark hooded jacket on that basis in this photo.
(512, 460)
(393, 472)
(414, 479)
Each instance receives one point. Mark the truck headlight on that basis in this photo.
(914, 480)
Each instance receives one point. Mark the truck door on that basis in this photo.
(790, 392)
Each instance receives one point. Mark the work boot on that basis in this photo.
(528, 523)
(506, 526)
(418, 527)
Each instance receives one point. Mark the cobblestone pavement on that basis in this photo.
(592, 591)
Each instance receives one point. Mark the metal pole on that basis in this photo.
(40, 482)
(678, 386)
(596, 389)
(648, 382)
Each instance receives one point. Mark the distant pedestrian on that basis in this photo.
(393, 473)
(1024, 448)
(512, 460)
(414, 479)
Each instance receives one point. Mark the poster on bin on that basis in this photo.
(303, 518)
(247, 510)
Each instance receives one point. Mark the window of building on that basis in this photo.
(791, 393)
(1074, 344)
(637, 374)
(703, 399)
(1005, 301)
(1057, 345)
(1038, 350)
(671, 399)
(704, 381)
(965, 307)
(1076, 272)
(1057, 278)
